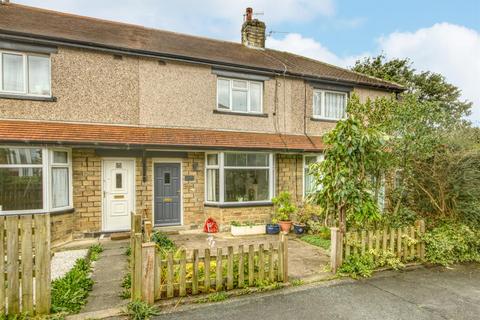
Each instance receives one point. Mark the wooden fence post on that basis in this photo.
(336, 255)
(148, 230)
(148, 272)
(137, 269)
(284, 239)
(421, 231)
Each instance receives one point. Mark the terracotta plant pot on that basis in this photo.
(285, 226)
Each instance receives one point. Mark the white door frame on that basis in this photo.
(167, 160)
(132, 190)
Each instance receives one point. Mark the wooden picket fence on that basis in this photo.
(161, 275)
(25, 262)
(405, 243)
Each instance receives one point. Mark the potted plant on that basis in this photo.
(284, 209)
(273, 228)
(303, 216)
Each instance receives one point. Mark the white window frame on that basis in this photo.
(230, 106)
(221, 174)
(25, 91)
(322, 104)
(67, 165)
(46, 165)
(320, 157)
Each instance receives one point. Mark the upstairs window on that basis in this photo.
(239, 95)
(329, 105)
(24, 74)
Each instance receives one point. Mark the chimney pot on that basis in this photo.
(253, 31)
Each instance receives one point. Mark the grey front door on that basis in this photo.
(167, 194)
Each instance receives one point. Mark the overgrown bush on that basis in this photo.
(363, 265)
(452, 243)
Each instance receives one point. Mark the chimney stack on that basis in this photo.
(253, 31)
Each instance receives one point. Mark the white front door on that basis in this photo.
(118, 194)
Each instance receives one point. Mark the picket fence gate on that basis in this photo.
(404, 243)
(156, 275)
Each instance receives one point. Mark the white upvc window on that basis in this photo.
(238, 177)
(25, 74)
(308, 178)
(34, 180)
(238, 95)
(329, 105)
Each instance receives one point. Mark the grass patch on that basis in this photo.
(316, 240)
(214, 297)
(69, 293)
(139, 310)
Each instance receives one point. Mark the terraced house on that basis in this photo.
(99, 118)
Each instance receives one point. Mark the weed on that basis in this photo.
(128, 252)
(214, 297)
(126, 285)
(297, 282)
(95, 251)
(139, 310)
(162, 240)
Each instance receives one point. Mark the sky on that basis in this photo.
(437, 35)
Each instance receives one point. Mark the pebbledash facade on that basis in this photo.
(98, 119)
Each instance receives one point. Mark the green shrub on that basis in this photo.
(358, 266)
(363, 265)
(317, 240)
(139, 310)
(452, 243)
(69, 293)
(162, 241)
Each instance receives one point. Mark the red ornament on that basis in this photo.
(210, 226)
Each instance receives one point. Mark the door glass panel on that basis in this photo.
(166, 178)
(118, 181)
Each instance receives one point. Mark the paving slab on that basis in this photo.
(108, 273)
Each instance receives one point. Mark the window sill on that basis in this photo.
(324, 119)
(240, 204)
(62, 211)
(26, 97)
(234, 113)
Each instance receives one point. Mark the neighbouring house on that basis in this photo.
(100, 118)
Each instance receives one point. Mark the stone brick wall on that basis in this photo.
(87, 193)
(61, 228)
(289, 174)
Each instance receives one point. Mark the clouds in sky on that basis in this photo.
(449, 49)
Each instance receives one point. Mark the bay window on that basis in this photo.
(34, 179)
(233, 177)
(308, 178)
(24, 74)
(239, 95)
(329, 105)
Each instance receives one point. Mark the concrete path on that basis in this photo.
(435, 293)
(108, 273)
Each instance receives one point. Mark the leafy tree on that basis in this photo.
(344, 179)
(427, 86)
